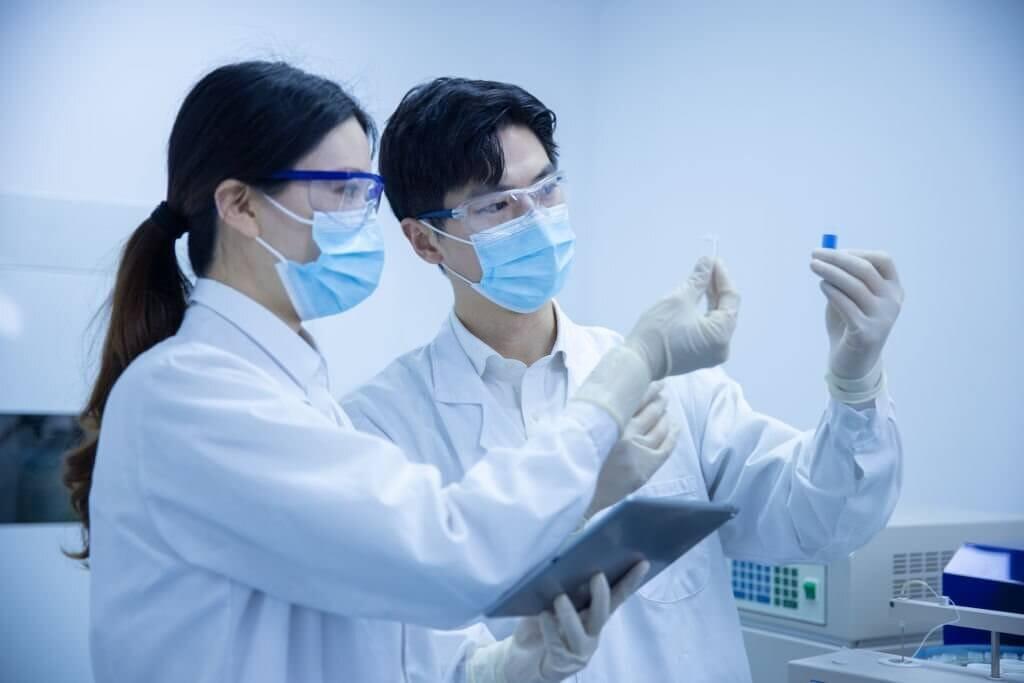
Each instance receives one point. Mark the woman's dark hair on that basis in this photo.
(242, 121)
(444, 135)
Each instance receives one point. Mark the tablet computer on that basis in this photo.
(659, 530)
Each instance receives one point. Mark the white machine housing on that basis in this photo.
(853, 593)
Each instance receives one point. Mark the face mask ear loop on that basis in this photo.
(286, 211)
(457, 239)
(446, 234)
(464, 279)
(269, 248)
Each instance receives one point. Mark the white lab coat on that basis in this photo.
(243, 531)
(803, 496)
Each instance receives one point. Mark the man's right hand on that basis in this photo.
(674, 337)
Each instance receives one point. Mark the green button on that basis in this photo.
(811, 589)
(791, 604)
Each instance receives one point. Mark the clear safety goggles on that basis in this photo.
(339, 193)
(490, 210)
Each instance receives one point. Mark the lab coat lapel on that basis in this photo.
(465, 405)
(581, 351)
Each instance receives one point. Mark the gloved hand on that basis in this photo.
(553, 646)
(864, 299)
(675, 337)
(649, 438)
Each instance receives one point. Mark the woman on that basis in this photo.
(237, 527)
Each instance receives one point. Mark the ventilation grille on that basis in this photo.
(924, 566)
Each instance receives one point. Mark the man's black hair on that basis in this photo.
(444, 135)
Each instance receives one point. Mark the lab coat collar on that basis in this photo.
(475, 348)
(455, 352)
(479, 352)
(299, 358)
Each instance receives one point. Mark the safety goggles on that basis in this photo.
(490, 210)
(339, 192)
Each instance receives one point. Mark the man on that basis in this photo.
(471, 171)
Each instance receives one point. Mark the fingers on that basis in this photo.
(699, 281)
(647, 417)
(671, 437)
(549, 629)
(882, 262)
(571, 626)
(600, 604)
(653, 392)
(843, 304)
(858, 267)
(848, 284)
(721, 322)
(655, 436)
(628, 584)
(724, 295)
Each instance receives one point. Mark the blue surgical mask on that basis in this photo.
(524, 262)
(347, 270)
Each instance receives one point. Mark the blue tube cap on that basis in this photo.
(829, 241)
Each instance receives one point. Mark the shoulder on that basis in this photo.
(601, 338)
(186, 373)
(399, 393)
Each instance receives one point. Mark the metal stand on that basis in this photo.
(970, 617)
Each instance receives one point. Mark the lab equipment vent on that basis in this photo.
(925, 566)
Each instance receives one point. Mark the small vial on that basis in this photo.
(829, 241)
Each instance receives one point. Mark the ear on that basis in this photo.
(423, 240)
(234, 201)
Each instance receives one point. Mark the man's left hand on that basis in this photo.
(864, 299)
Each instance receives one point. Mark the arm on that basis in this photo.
(261, 488)
(250, 484)
(820, 494)
(812, 495)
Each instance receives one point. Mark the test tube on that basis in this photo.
(712, 250)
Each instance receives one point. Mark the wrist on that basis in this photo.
(858, 391)
(618, 384)
(635, 345)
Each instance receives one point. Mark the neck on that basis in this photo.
(525, 337)
(278, 305)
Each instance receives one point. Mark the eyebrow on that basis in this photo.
(480, 191)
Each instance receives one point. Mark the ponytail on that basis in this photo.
(147, 306)
(244, 121)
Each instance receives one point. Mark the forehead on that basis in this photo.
(524, 156)
(345, 147)
(525, 160)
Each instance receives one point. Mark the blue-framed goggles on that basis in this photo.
(333, 191)
(492, 209)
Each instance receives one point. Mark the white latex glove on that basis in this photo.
(649, 438)
(675, 337)
(672, 338)
(554, 645)
(864, 299)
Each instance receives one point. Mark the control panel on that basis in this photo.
(793, 591)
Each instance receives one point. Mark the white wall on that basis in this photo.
(896, 125)
(90, 91)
